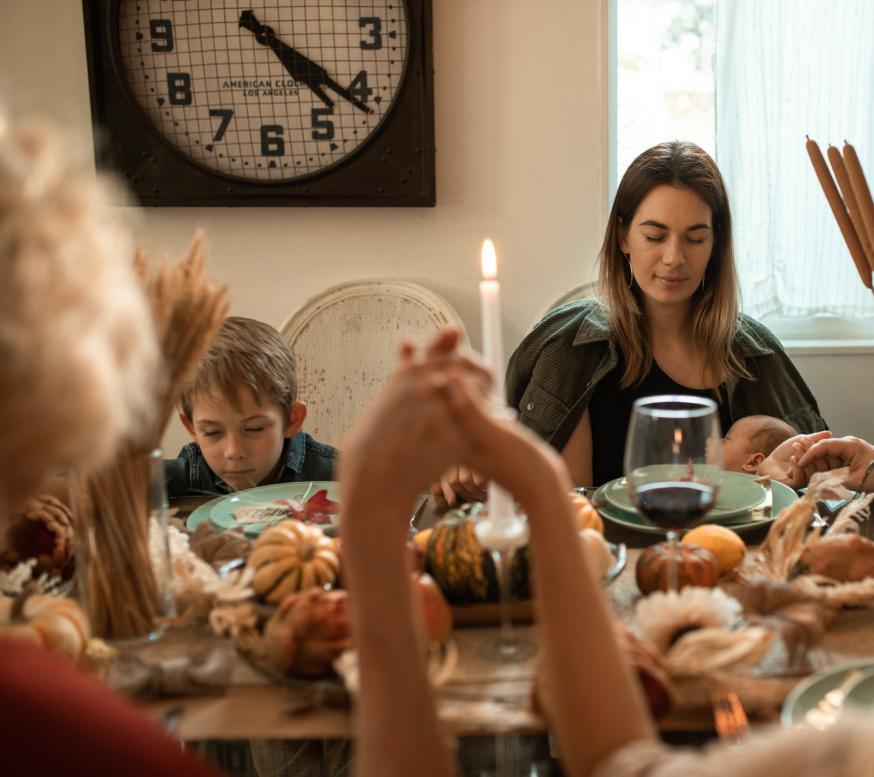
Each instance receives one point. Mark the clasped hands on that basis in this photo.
(794, 461)
(437, 411)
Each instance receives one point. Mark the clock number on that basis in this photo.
(358, 88)
(179, 87)
(272, 143)
(375, 24)
(161, 31)
(226, 116)
(322, 128)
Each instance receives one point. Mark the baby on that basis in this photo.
(751, 440)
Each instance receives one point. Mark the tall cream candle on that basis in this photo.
(501, 504)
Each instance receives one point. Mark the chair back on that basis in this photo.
(587, 289)
(346, 340)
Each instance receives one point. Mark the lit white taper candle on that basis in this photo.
(501, 504)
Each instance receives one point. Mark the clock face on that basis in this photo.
(264, 91)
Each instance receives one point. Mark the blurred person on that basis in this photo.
(78, 352)
(435, 412)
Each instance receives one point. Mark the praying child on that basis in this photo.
(241, 409)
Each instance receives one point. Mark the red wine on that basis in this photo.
(674, 504)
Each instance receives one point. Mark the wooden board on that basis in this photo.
(489, 613)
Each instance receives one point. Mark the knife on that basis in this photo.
(762, 511)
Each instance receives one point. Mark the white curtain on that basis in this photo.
(786, 69)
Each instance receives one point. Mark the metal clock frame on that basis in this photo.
(393, 167)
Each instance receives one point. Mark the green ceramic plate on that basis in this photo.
(631, 519)
(738, 494)
(861, 693)
(805, 696)
(220, 511)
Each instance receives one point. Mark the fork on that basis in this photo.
(831, 705)
(729, 716)
(762, 511)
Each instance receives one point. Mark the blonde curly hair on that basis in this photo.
(77, 344)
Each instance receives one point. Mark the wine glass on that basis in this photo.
(673, 463)
(502, 530)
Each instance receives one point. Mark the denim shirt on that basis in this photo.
(303, 459)
(553, 373)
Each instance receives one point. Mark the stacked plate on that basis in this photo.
(225, 511)
(739, 496)
(822, 698)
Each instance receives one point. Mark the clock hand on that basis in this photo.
(300, 67)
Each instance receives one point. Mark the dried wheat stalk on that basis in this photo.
(112, 504)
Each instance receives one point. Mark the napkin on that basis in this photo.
(184, 675)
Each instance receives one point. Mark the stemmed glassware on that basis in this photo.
(502, 538)
(673, 463)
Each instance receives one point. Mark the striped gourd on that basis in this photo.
(456, 560)
(292, 556)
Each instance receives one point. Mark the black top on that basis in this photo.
(610, 412)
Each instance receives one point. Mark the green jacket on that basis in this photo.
(554, 371)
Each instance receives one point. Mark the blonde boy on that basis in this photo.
(242, 412)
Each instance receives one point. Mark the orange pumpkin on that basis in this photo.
(695, 567)
(586, 514)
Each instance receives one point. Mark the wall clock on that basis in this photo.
(310, 102)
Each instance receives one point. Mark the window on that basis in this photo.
(747, 80)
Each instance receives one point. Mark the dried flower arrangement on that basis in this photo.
(836, 569)
(785, 600)
(115, 575)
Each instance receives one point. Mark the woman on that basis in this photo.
(668, 323)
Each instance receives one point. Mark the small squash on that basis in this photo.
(597, 551)
(726, 546)
(464, 571)
(292, 556)
(695, 567)
(57, 623)
(586, 514)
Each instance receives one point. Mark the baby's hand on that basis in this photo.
(460, 484)
(782, 464)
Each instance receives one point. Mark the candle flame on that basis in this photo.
(489, 261)
(678, 436)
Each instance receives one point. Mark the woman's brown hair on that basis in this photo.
(714, 304)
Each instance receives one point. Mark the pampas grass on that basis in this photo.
(114, 568)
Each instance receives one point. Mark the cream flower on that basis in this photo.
(662, 618)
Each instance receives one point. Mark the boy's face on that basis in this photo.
(242, 446)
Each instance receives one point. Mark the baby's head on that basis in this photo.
(241, 402)
(751, 440)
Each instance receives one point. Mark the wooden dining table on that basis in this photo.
(480, 697)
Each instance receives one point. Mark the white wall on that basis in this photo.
(521, 131)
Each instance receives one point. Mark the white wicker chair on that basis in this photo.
(346, 340)
(587, 289)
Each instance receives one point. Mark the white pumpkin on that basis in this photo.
(57, 623)
(292, 556)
